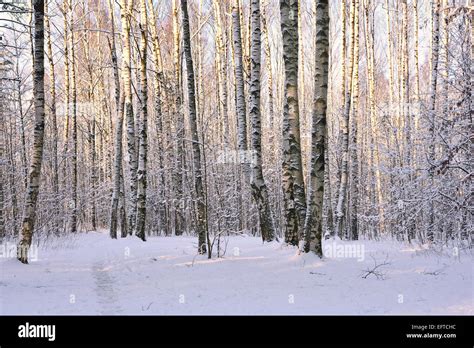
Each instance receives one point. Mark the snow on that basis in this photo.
(92, 274)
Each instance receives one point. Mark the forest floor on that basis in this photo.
(92, 274)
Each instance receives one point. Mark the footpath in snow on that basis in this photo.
(93, 274)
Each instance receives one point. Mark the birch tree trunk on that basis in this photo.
(92, 142)
(180, 156)
(389, 53)
(301, 63)
(75, 208)
(314, 215)
(141, 174)
(435, 9)
(444, 36)
(54, 121)
(343, 50)
(406, 88)
(369, 39)
(343, 98)
(259, 188)
(118, 131)
(3, 160)
(52, 89)
(342, 190)
(24, 162)
(158, 83)
(239, 79)
(66, 92)
(198, 185)
(240, 106)
(221, 72)
(417, 81)
(354, 171)
(293, 183)
(268, 61)
(125, 12)
(31, 198)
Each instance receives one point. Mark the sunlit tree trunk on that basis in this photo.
(354, 145)
(239, 77)
(125, 12)
(342, 190)
(92, 138)
(343, 50)
(159, 114)
(240, 104)
(370, 54)
(259, 188)
(221, 71)
(417, 82)
(293, 183)
(314, 215)
(142, 161)
(74, 202)
(31, 198)
(435, 9)
(180, 156)
(117, 169)
(405, 87)
(389, 53)
(52, 108)
(66, 97)
(198, 184)
(268, 61)
(52, 89)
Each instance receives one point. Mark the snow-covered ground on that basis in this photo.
(96, 275)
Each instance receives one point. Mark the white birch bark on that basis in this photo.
(143, 149)
(196, 145)
(314, 215)
(342, 190)
(125, 13)
(293, 182)
(117, 169)
(259, 188)
(31, 198)
(354, 146)
(435, 13)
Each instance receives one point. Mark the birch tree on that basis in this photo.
(259, 188)
(314, 215)
(74, 201)
(239, 79)
(31, 198)
(389, 52)
(221, 71)
(354, 170)
(373, 117)
(65, 11)
(293, 183)
(142, 163)
(435, 8)
(159, 83)
(417, 78)
(196, 145)
(240, 102)
(180, 155)
(52, 90)
(268, 61)
(125, 13)
(343, 181)
(118, 131)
